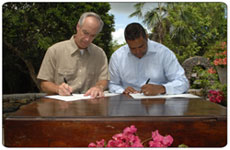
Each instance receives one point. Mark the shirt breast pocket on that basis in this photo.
(91, 77)
(68, 74)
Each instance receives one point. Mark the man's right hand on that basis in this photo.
(64, 89)
(131, 90)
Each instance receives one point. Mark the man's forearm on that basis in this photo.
(103, 84)
(49, 87)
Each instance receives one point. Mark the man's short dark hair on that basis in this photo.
(134, 31)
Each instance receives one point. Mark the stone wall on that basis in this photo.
(189, 63)
(12, 102)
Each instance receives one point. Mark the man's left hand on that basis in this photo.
(95, 92)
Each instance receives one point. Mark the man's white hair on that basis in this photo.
(91, 14)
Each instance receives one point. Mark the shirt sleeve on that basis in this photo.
(178, 83)
(115, 81)
(103, 75)
(46, 71)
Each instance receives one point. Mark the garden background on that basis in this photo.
(189, 29)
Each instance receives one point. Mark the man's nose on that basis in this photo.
(87, 38)
(138, 54)
(138, 51)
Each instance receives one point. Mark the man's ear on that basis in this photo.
(147, 36)
(77, 27)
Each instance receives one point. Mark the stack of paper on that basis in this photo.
(75, 97)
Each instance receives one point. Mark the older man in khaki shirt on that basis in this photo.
(78, 61)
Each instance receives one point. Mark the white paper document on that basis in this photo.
(75, 97)
(142, 96)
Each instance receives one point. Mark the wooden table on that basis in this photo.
(54, 123)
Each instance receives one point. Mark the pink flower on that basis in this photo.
(156, 136)
(215, 96)
(220, 61)
(220, 58)
(160, 141)
(211, 71)
(168, 140)
(225, 61)
(155, 144)
(92, 145)
(134, 141)
(130, 130)
(98, 144)
(129, 139)
(117, 143)
(216, 62)
(224, 53)
(112, 143)
(118, 136)
(126, 139)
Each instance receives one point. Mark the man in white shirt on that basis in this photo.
(132, 65)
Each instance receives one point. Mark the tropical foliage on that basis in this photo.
(30, 28)
(189, 29)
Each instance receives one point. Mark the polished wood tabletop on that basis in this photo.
(54, 123)
(121, 106)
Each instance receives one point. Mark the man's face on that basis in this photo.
(138, 47)
(87, 32)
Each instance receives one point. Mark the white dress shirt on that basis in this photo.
(159, 64)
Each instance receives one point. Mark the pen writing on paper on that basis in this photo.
(67, 83)
(145, 83)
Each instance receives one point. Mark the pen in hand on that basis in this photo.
(147, 81)
(67, 83)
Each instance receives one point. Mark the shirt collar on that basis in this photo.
(151, 47)
(150, 50)
(75, 48)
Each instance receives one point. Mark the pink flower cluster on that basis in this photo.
(211, 70)
(129, 139)
(160, 141)
(220, 61)
(215, 96)
(221, 57)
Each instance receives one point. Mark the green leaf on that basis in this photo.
(182, 146)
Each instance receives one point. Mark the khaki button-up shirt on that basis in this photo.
(81, 70)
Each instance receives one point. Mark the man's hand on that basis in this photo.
(51, 88)
(95, 92)
(129, 90)
(152, 89)
(64, 90)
